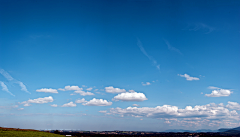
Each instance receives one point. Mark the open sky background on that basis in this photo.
(120, 65)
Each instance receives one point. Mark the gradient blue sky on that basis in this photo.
(173, 54)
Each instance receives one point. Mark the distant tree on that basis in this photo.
(56, 132)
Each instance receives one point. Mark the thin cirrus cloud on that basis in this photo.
(170, 47)
(188, 78)
(130, 96)
(4, 88)
(10, 78)
(47, 90)
(218, 92)
(97, 102)
(111, 89)
(200, 27)
(38, 101)
(139, 43)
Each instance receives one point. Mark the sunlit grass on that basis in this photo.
(27, 134)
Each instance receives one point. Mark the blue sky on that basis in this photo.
(119, 65)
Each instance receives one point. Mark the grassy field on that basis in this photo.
(15, 133)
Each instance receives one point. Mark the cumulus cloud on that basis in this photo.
(47, 90)
(135, 105)
(4, 88)
(146, 84)
(54, 105)
(188, 77)
(139, 43)
(77, 90)
(131, 91)
(219, 93)
(130, 96)
(233, 105)
(210, 111)
(21, 109)
(83, 93)
(73, 88)
(97, 102)
(89, 89)
(111, 89)
(80, 100)
(70, 104)
(38, 101)
(173, 48)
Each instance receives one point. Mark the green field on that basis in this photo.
(27, 134)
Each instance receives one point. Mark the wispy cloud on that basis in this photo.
(188, 78)
(200, 27)
(4, 88)
(10, 78)
(170, 47)
(139, 43)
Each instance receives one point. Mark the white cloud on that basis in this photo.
(97, 102)
(139, 43)
(83, 93)
(21, 109)
(146, 84)
(210, 111)
(89, 89)
(47, 90)
(95, 90)
(38, 101)
(54, 105)
(130, 96)
(61, 89)
(80, 100)
(131, 91)
(77, 90)
(111, 89)
(188, 77)
(73, 88)
(135, 105)
(70, 104)
(4, 88)
(84, 86)
(233, 105)
(219, 93)
(212, 87)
